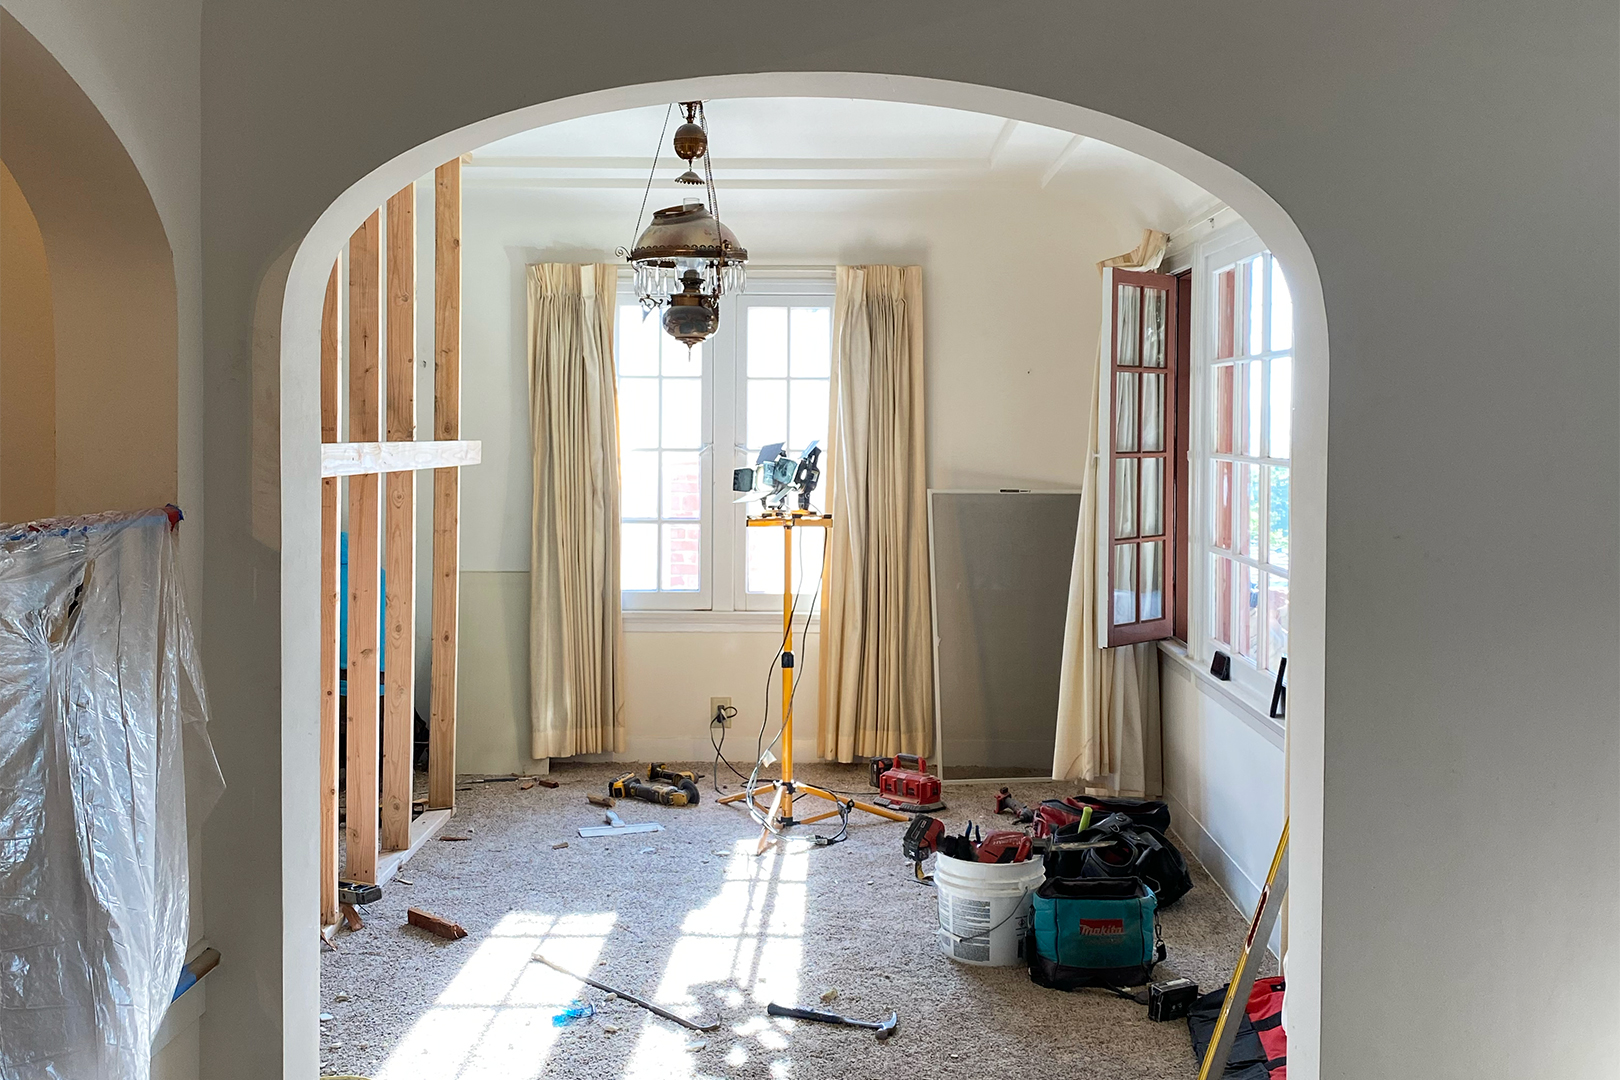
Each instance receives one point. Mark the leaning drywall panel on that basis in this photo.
(1000, 565)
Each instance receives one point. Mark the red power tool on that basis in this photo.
(910, 790)
(926, 836)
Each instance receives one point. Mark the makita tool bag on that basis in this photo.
(1093, 932)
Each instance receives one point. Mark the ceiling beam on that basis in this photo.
(1003, 137)
(640, 166)
(1063, 159)
(625, 183)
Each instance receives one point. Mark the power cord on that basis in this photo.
(722, 713)
(842, 834)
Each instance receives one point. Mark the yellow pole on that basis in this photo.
(787, 668)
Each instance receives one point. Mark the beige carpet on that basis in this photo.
(690, 918)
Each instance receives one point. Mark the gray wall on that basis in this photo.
(1453, 168)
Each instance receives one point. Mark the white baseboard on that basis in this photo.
(1241, 891)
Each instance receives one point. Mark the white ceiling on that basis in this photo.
(797, 145)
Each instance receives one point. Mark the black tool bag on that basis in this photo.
(1150, 812)
(1132, 851)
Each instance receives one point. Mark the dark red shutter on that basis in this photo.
(1141, 437)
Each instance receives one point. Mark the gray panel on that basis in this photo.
(1001, 563)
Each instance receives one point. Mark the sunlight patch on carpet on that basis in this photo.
(494, 1019)
(747, 943)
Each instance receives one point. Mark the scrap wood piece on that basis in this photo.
(453, 839)
(526, 783)
(543, 782)
(434, 924)
(351, 916)
(601, 800)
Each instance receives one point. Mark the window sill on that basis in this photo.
(1256, 717)
(712, 622)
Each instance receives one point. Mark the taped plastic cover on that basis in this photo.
(104, 756)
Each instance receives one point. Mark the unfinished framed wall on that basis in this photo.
(367, 687)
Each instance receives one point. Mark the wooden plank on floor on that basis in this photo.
(399, 651)
(426, 826)
(331, 403)
(446, 482)
(353, 458)
(365, 551)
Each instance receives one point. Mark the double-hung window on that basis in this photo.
(688, 418)
(1243, 396)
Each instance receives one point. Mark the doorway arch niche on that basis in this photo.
(300, 479)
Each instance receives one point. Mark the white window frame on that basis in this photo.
(723, 602)
(1250, 680)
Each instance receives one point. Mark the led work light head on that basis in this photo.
(776, 476)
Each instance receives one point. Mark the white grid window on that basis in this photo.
(787, 357)
(1246, 405)
(664, 509)
(763, 378)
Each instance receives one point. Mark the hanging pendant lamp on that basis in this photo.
(685, 259)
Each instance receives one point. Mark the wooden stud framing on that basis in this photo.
(446, 482)
(364, 557)
(330, 524)
(399, 692)
(381, 442)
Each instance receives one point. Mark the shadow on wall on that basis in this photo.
(99, 376)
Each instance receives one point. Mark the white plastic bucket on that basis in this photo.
(984, 909)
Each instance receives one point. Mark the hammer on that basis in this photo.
(884, 1028)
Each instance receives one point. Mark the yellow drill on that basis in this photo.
(631, 786)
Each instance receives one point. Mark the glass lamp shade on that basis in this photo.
(690, 318)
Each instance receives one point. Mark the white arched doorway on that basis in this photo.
(300, 471)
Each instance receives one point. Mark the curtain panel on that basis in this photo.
(876, 678)
(1108, 722)
(576, 634)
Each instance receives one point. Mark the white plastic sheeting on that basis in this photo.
(104, 755)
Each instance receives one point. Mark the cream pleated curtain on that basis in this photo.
(576, 637)
(1108, 723)
(877, 681)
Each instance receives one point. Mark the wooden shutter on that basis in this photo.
(1141, 438)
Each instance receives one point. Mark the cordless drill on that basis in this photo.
(631, 786)
(657, 771)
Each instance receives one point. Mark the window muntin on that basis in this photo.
(1246, 397)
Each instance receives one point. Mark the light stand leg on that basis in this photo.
(780, 812)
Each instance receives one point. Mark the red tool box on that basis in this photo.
(911, 790)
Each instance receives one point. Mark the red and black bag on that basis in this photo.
(1053, 814)
(1149, 812)
(1260, 1050)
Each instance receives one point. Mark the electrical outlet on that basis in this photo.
(714, 705)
